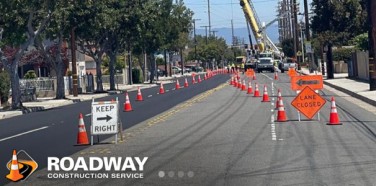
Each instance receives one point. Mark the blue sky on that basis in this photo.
(222, 11)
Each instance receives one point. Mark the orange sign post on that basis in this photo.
(313, 81)
(308, 102)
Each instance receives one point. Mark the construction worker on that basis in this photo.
(232, 67)
(228, 68)
(242, 67)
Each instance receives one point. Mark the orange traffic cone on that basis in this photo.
(193, 80)
(257, 92)
(177, 86)
(243, 86)
(239, 84)
(235, 82)
(14, 173)
(82, 138)
(250, 91)
(199, 79)
(205, 78)
(281, 117)
(186, 83)
(127, 104)
(232, 81)
(334, 119)
(275, 76)
(278, 97)
(161, 89)
(265, 96)
(139, 95)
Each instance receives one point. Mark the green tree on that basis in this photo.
(21, 22)
(4, 86)
(361, 41)
(288, 47)
(338, 21)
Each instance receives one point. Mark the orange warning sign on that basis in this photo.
(250, 73)
(308, 102)
(313, 81)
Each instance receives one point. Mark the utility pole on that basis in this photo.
(372, 43)
(74, 63)
(194, 37)
(308, 36)
(233, 38)
(213, 32)
(206, 33)
(295, 29)
(209, 17)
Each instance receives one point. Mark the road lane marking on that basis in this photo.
(21, 134)
(88, 114)
(267, 76)
(150, 96)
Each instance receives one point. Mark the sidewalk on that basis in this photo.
(355, 88)
(49, 102)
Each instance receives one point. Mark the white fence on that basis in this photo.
(45, 84)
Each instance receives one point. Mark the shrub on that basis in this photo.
(4, 86)
(342, 54)
(30, 75)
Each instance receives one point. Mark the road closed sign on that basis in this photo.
(104, 117)
(308, 102)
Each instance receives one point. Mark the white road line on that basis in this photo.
(88, 115)
(150, 96)
(167, 90)
(267, 76)
(21, 134)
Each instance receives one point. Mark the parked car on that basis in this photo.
(286, 64)
(187, 69)
(197, 69)
(265, 64)
(176, 70)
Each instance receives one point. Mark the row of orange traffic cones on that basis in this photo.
(281, 114)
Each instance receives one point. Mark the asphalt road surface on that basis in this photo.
(226, 137)
(54, 132)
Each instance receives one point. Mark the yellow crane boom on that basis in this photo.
(251, 18)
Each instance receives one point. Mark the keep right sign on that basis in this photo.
(308, 102)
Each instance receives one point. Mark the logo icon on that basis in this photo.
(21, 166)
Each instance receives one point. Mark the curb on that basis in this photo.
(351, 93)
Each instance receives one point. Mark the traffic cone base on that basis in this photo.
(127, 104)
(334, 118)
(14, 173)
(275, 76)
(82, 138)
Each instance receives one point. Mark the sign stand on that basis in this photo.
(105, 119)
